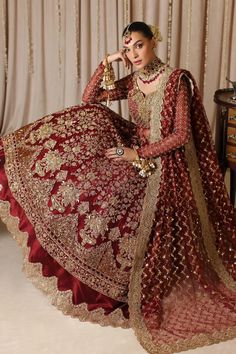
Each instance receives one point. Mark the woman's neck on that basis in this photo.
(151, 71)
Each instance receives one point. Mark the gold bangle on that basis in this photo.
(109, 75)
(146, 167)
(106, 60)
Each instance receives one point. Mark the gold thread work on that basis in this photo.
(61, 299)
(146, 220)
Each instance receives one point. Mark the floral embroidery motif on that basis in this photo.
(67, 178)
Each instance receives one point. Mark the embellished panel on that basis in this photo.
(86, 204)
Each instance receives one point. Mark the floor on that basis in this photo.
(29, 324)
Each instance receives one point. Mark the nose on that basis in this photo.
(134, 53)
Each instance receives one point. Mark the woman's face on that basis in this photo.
(139, 49)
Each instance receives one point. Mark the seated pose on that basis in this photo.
(127, 224)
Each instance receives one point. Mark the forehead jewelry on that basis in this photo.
(127, 35)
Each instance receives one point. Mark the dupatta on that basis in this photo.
(182, 291)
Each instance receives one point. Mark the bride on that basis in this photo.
(123, 223)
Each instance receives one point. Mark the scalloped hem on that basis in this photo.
(61, 299)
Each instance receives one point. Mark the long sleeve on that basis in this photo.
(181, 131)
(93, 92)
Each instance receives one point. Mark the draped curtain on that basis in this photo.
(50, 48)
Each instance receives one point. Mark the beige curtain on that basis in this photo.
(49, 48)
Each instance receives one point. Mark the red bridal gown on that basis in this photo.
(156, 254)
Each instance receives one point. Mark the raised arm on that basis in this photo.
(181, 131)
(95, 93)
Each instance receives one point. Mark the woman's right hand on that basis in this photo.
(119, 56)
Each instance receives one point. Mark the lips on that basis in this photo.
(137, 62)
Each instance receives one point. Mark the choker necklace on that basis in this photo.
(151, 71)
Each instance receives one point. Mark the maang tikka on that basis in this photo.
(127, 34)
(154, 29)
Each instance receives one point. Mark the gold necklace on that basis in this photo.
(151, 71)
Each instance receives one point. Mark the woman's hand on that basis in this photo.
(129, 154)
(118, 56)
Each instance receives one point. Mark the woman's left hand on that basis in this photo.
(127, 155)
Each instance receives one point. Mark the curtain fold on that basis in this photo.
(49, 49)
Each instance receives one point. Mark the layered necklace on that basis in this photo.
(151, 71)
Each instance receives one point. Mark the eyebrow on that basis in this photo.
(140, 40)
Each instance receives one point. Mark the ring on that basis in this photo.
(119, 151)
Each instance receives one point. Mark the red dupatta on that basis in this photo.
(182, 290)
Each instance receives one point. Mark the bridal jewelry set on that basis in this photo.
(147, 75)
(151, 71)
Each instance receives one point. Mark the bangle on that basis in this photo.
(109, 75)
(106, 60)
(146, 167)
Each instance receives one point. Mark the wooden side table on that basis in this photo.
(225, 138)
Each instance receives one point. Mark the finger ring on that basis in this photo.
(119, 151)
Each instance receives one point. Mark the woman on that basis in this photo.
(128, 224)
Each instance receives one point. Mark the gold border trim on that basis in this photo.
(114, 289)
(134, 298)
(61, 299)
(146, 222)
(207, 227)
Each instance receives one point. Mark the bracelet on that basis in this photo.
(109, 75)
(146, 167)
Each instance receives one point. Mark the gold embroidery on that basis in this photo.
(52, 161)
(88, 204)
(95, 225)
(144, 107)
(126, 247)
(67, 194)
(61, 299)
(207, 228)
(134, 297)
(146, 221)
(114, 234)
(42, 133)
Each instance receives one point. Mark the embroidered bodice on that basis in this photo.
(142, 108)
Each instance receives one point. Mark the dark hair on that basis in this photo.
(139, 27)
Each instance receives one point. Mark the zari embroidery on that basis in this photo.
(61, 299)
(146, 220)
(176, 301)
(71, 175)
(208, 231)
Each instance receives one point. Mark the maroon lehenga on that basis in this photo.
(156, 254)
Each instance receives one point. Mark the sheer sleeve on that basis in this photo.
(181, 131)
(93, 92)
